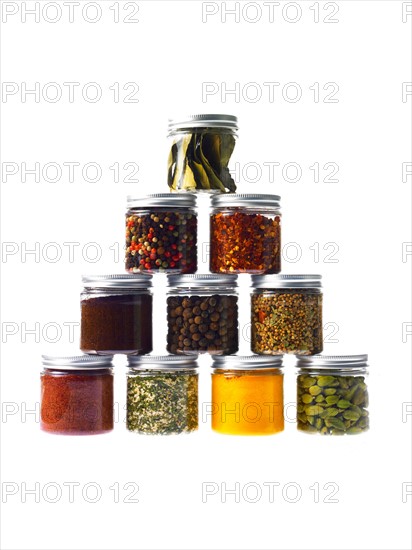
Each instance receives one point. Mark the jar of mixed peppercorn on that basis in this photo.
(161, 233)
(287, 314)
(332, 395)
(200, 150)
(77, 395)
(116, 314)
(162, 394)
(245, 234)
(202, 314)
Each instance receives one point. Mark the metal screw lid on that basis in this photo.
(77, 362)
(198, 281)
(203, 121)
(247, 362)
(163, 200)
(162, 362)
(286, 281)
(247, 200)
(331, 361)
(123, 281)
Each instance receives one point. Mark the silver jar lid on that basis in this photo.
(199, 281)
(163, 200)
(328, 362)
(203, 121)
(286, 281)
(162, 362)
(77, 362)
(247, 362)
(123, 281)
(246, 200)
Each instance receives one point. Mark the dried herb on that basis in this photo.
(162, 402)
(120, 323)
(287, 321)
(76, 402)
(161, 241)
(332, 405)
(202, 324)
(244, 242)
(198, 160)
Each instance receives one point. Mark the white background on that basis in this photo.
(169, 53)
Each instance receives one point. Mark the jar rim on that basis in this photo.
(208, 280)
(203, 121)
(162, 362)
(77, 362)
(286, 281)
(246, 200)
(163, 200)
(127, 281)
(331, 362)
(247, 362)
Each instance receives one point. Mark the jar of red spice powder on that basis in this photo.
(77, 395)
(245, 234)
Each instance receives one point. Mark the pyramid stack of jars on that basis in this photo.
(202, 315)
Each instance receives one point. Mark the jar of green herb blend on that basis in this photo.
(287, 314)
(162, 394)
(332, 394)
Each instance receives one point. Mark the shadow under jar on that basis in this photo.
(332, 394)
(287, 314)
(161, 233)
(247, 395)
(162, 394)
(77, 395)
(245, 234)
(116, 314)
(202, 314)
(200, 150)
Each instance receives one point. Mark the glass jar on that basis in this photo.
(202, 314)
(287, 314)
(76, 395)
(332, 395)
(245, 234)
(247, 395)
(116, 314)
(161, 233)
(199, 153)
(162, 394)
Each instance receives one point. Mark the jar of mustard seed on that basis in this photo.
(161, 234)
(202, 314)
(162, 394)
(76, 395)
(200, 149)
(116, 314)
(286, 314)
(245, 234)
(247, 395)
(332, 394)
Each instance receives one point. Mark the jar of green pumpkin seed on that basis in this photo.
(162, 394)
(332, 394)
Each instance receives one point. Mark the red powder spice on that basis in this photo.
(77, 402)
(244, 243)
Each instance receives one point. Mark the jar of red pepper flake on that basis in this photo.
(77, 395)
(161, 233)
(245, 234)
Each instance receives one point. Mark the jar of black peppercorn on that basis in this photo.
(245, 234)
(286, 314)
(77, 395)
(201, 147)
(116, 314)
(332, 394)
(161, 233)
(202, 314)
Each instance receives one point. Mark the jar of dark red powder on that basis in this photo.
(116, 314)
(161, 233)
(77, 395)
(245, 234)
